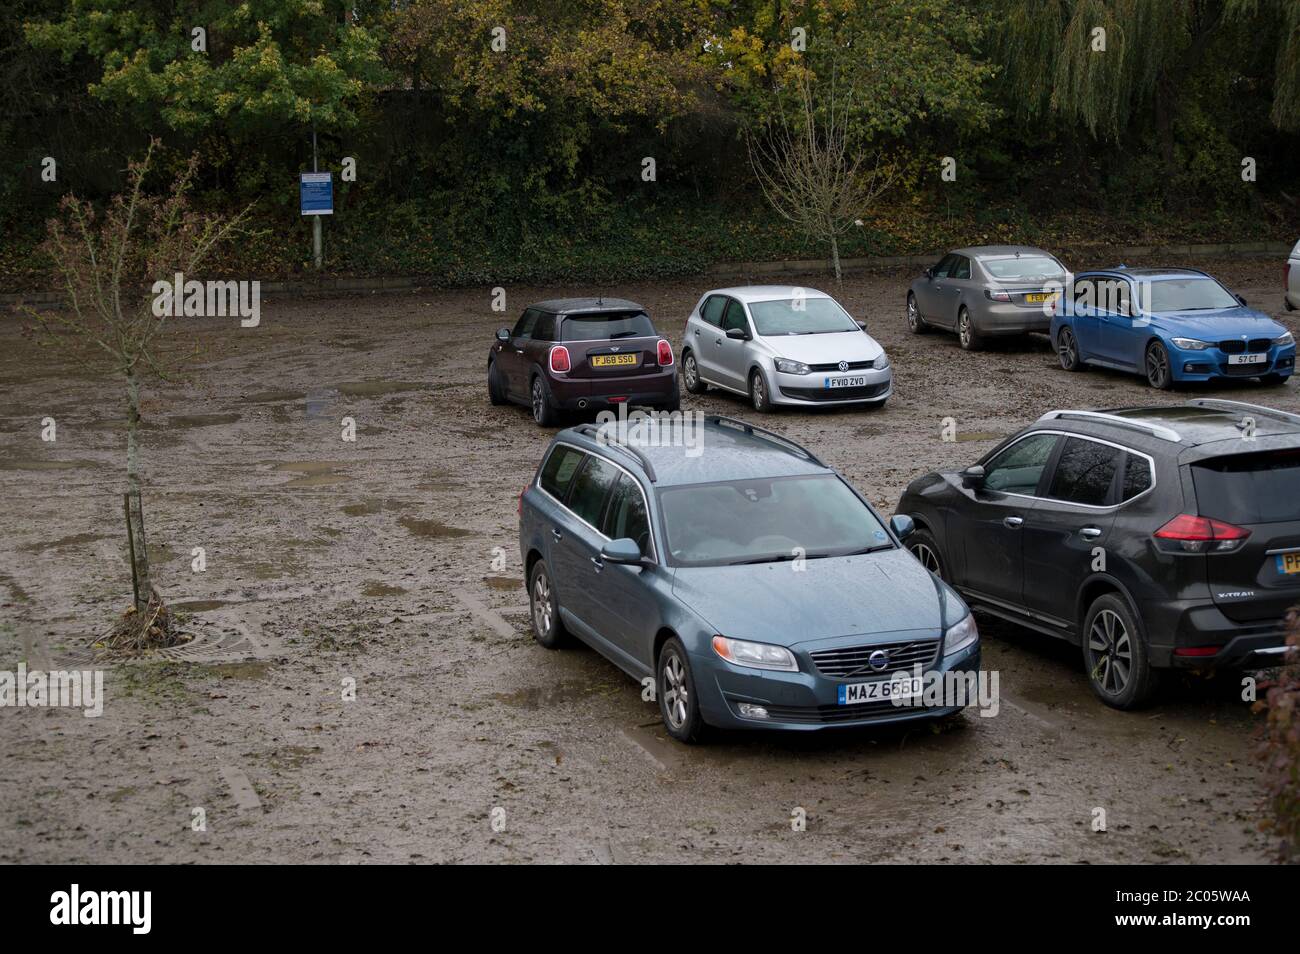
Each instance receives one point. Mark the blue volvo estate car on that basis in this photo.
(1171, 325)
(747, 579)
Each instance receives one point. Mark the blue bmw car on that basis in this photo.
(1172, 325)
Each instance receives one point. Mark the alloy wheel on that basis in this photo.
(1112, 649)
(1066, 349)
(689, 370)
(1157, 366)
(543, 609)
(539, 400)
(929, 559)
(676, 695)
(758, 392)
(963, 329)
(912, 316)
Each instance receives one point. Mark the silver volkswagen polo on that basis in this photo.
(782, 344)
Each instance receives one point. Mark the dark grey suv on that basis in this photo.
(1153, 537)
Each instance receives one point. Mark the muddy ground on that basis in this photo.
(373, 561)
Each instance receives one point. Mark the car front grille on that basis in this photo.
(837, 394)
(851, 662)
(835, 366)
(1245, 370)
(821, 715)
(1237, 346)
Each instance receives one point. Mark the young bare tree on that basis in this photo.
(106, 266)
(804, 166)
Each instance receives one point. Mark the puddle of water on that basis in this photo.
(316, 480)
(315, 473)
(319, 401)
(201, 420)
(375, 388)
(252, 669)
(75, 540)
(274, 397)
(198, 606)
(503, 583)
(25, 463)
(432, 528)
(535, 697)
(381, 589)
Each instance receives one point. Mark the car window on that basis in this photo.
(1110, 295)
(1187, 294)
(545, 328)
(1249, 488)
(627, 516)
(524, 326)
(590, 486)
(945, 265)
(1023, 268)
(712, 310)
(810, 316)
(1017, 469)
(767, 519)
(558, 470)
(960, 267)
(1085, 472)
(735, 317)
(1085, 292)
(607, 324)
(1137, 476)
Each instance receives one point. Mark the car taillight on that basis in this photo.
(997, 295)
(665, 353)
(520, 508)
(1191, 534)
(1286, 276)
(559, 358)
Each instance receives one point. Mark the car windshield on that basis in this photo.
(1185, 294)
(1023, 268)
(767, 520)
(802, 316)
(607, 324)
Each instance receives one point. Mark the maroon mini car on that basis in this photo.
(582, 354)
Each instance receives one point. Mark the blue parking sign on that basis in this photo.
(316, 193)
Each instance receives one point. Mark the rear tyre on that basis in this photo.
(915, 323)
(925, 548)
(544, 412)
(967, 334)
(1115, 654)
(679, 705)
(1159, 375)
(691, 374)
(1067, 349)
(544, 608)
(758, 396)
(496, 392)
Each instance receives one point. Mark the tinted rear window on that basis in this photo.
(1249, 488)
(591, 485)
(608, 324)
(1023, 268)
(1085, 472)
(559, 470)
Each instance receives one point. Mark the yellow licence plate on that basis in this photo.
(612, 360)
(1288, 563)
(1037, 297)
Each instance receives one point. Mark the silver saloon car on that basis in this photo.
(783, 345)
(987, 291)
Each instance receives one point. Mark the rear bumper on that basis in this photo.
(656, 390)
(996, 318)
(1182, 633)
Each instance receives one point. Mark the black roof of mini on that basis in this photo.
(575, 306)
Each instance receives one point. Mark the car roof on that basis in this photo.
(752, 293)
(992, 251)
(574, 306)
(1154, 274)
(728, 450)
(1206, 427)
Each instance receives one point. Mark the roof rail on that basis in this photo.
(594, 432)
(764, 433)
(1242, 405)
(1157, 430)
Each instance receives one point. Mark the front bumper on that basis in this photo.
(807, 701)
(1212, 363)
(811, 390)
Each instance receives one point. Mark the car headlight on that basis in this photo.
(1190, 344)
(881, 363)
(1284, 340)
(758, 655)
(961, 636)
(786, 366)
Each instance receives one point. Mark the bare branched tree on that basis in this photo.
(106, 323)
(805, 169)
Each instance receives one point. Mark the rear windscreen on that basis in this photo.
(607, 324)
(1249, 488)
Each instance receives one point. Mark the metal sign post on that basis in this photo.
(315, 198)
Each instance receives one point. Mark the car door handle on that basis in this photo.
(556, 534)
(1012, 523)
(598, 563)
(1090, 533)
(697, 332)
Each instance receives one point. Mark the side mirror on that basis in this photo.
(972, 476)
(1242, 300)
(863, 324)
(503, 334)
(929, 272)
(902, 525)
(737, 334)
(623, 551)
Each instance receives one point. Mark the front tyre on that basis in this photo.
(915, 323)
(1067, 349)
(544, 608)
(1159, 374)
(758, 396)
(925, 548)
(679, 704)
(1115, 654)
(496, 391)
